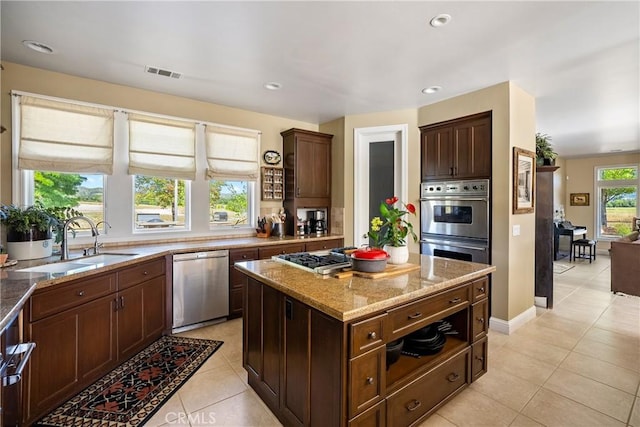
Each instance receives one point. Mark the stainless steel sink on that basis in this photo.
(78, 265)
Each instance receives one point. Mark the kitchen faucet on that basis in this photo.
(64, 245)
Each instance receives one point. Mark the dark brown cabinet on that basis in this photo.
(307, 170)
(459, 148)
(86, 327)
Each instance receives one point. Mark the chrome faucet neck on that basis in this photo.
(64, 245)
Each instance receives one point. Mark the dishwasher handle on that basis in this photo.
(200, 255)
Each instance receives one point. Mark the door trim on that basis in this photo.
(362, 137)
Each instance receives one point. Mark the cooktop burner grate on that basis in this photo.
(323, 264)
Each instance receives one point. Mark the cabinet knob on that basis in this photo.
(369, 380)
(455, 300)
(412, 406)
(415, 316)
(80, 293)
(480, 319)
(244, 256)
(481, 289)
(372, 335)
(452, 377)
(146, 273)
(480, 358)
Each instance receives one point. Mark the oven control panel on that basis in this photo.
(455, 188)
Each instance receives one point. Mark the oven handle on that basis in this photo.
(25, 351)
(455, 199)
(455, 244)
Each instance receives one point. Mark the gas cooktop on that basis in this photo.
(317, 262)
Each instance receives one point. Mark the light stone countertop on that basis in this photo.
(350, 298)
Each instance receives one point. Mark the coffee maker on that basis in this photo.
(317, 222)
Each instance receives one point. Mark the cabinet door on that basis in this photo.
(153, 298)
(472, 149)
(237, 280)
(72, 349)
(130, 321)
(313, 166)
(294, 397)
(437, 153)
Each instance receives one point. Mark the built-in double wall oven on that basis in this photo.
(455, 220)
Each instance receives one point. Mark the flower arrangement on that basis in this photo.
(390, 228)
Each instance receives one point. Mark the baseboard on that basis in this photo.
(510, 326)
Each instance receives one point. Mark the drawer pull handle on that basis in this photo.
(412, 406)
(369, 380)
(415, 316)
(115, 304)
(480, 358)
(80, 293)
(481, 289)
(122, 302)
(372, 335)
(452, 377)
(455, 300)
(480, 319)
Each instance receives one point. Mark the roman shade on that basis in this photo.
(232, 154)
(64, 137)
(161, 147)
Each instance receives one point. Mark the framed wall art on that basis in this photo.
(579, 199)
(524, 171)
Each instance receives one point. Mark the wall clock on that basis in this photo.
(271, 157)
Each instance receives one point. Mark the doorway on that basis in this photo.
(380, 171)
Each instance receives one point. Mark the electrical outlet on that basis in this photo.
(516, 230)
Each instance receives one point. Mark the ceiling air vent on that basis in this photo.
(161, 72)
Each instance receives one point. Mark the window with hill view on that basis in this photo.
(617, 196)
(228, 202)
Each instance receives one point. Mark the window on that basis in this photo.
(229, 202)
(617, 200)
(160, 203)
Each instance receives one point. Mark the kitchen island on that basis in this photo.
(315, 347)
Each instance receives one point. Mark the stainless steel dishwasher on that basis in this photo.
(200, 288)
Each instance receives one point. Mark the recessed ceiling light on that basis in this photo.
(273, 86)
(38, 47)
(440, 20)
(432, 89)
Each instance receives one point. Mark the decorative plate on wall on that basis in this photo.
(271, 157)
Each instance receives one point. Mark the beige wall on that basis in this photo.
(579, 176)
(513, 118)
(34, 80)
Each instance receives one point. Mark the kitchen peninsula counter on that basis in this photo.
(316, 347)
(15, 290)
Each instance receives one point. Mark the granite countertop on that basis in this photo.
(16, 287)
(349, 298)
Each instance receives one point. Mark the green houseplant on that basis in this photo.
(30, 229)
(544, 151)
(392, 232)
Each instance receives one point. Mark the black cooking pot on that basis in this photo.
(369, 260)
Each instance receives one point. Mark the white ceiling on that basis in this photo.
(580, 59)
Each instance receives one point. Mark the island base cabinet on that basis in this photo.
(429, 391)
(479, 359)
(372, 417)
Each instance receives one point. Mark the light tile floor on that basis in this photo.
(576, 365)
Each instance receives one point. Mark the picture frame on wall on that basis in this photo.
(579, 199)
(524, 173)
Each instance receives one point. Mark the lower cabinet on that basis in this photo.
(86, 327)
(312, 369)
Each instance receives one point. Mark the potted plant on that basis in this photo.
(30, 229)
(392, 232)
(544, 151)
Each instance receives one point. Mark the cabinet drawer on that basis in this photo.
(366, 380)
(236, 255)
(139, 273)
(414, 316)
(479, 319)
(268, 252)
(479, 289)
(479, 359)
(366, 335)
(425, 393)
(63, 297)
(324, 244)
(372, 417)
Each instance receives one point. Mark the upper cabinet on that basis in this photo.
(457, 149)
(307, 163)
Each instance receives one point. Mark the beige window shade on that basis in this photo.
(161, 147)
(64, 137)
(232, 154)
